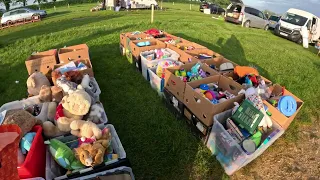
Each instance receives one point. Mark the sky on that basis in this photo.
(281, 6)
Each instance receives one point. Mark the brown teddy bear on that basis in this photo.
(86, 129)
(91, 154)
(45, 94)
(73, 76)
(57, 94)
(35, 82)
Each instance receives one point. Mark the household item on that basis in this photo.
(287, 105)
(120, 173)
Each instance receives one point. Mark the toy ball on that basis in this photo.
(208, 95)
(204, 87)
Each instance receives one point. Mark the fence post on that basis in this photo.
(54, 7)
(68, 5)
(190, 7)
(172, 3)
(152, 12)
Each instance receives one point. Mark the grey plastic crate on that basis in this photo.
(109, 172)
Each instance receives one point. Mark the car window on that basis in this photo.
(309, 25)
(13, 12)
(251, 11)
(261, 15)
(274, 18)
(21, 11)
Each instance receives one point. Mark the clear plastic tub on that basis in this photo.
(119, 170)
(95, 95)
(54, 171)
(228, 152)
(156, 82)
(145, 64)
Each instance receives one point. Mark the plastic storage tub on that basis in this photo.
(54, 171)
(156, 82)
(228, 152)
(34, 164)
(95, 95)
(116, 171)
(145, 63)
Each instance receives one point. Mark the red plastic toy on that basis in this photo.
(35, 162)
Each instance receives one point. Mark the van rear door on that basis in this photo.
(315, 28)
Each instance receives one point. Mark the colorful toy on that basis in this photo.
(159, 53)
(202, 73)
(256, 138)
(63, 155)
(143, 44)
(155, 33)
(204, 87)
(92, 154)
(26, 142)
(242, 71)
(163, 65)
(287, 105)
(209, 95)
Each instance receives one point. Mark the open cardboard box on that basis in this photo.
(42, 62)
(125, 38)
(277, 116)
(175, 85)
(88, 71)
(154, 44)
(77, 52)
(201, 107)
(184, 56)
(196, 52)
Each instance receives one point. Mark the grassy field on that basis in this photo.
(159, 146)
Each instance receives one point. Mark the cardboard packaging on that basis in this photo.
(196, 52)
(184, 56)
(277, 116)
(42, 62)
(202, 108)
(125, 39)
(71, 53)
(175, 85)
(88, 71)
(173, 104)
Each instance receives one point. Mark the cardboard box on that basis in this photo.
(202, 108)
(42, 62)
(77, 52)
(88, 71)
(277, 116)
(125, 38)
(184, 56)
(155, 44)
(173, 104)
(196, 52)
(175, 85)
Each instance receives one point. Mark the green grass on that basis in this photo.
(158, 146)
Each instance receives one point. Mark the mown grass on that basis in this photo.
(158, 146)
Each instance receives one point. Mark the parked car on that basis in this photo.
(203, 6)
(216, 9)
(21, 13)
(273, 21)
(238, 12)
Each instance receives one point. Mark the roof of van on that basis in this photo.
(300, 12)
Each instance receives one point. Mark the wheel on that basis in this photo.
(247, 24)
(299, 41)
(9, 23)
(266, 27)
(35, 17)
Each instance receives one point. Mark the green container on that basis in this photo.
(247, 116)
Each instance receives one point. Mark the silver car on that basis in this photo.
(273, 21)
(19, 14)
(239, 13)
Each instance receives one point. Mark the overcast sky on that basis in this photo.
(281, 6)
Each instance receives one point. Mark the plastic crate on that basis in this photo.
(228, 152)
(119, 170)
(34, 158)
(95, 95)
(156, 82)
(145, 63)
(54, 171)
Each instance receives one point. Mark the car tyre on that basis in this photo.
(247, 24)
(299, 41)
(9, 23)
(266, 28)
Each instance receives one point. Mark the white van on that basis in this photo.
(293, 20)
(135, 4)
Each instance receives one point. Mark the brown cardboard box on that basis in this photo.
(175, 85)
(202, 108)
(199, 128)
(125, 38)
(77, 52)
(196, 52)
(277, 116)
(88, 71)
(42, 61)
(155, 44)
(184, 56)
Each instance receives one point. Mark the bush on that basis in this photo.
(60, 3)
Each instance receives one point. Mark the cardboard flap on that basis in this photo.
(229, 85)
(211, 79)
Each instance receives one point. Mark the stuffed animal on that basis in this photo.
(21, 118)
(95, 113)
(86, 129)
(45, 94)
(51, 111)
(68, 87)
(71, 116)
(26, 142)
(50, 130)
(88, 85)
(57, 94)
(63, 155)
(77, 103)
(73, 76)
(63, 123)
(91, 154)
(154, 32)
(35, 82)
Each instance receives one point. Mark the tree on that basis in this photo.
(24, 2)
(6, 4)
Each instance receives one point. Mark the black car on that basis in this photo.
(203, 6)
(216, 9)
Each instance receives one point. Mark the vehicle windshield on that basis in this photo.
(294, 19)
(274, 18)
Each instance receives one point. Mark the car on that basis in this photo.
(203, 5)
(21, 13)
(273, 21)
(238, 12)
(216, 9)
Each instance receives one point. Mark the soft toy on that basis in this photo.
(88, 85)
(51, 111)
(86, 129)
(242, 71)
(21, 118)
(77, 103)
(95, 113)
(45, 94)
(35, 82)
(57, 94)
(73, 76)
(26, 142)
(154, 32)
(50, 130)
(71, 116)
(92, 154)
(63, 123)
(21, 157)
(68, 87)
(63, 155)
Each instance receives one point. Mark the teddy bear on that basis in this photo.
(21, 118)
(68, 87)
(50, 130)
(77, 103)
(45, 94)
(35, 82)
(52, 107)
(87, 129)
(91, 154)
(73, 76)
(57, 94)
(95, 113)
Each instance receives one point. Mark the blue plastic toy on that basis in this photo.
(142, 44)
(287, 105)
(26, 142)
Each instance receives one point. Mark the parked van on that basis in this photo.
(293, 20)
(239, 13)
(134, 4)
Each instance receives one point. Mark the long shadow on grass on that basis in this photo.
(231, 49)
(59, 13)
(158, 145)
(53, 27)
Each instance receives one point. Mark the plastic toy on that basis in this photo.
(183, 73)
(143, 44)
(226, 67)
(256, 138)
(287, 105)
(273, 102)
(26, 142)
(154, 32)
(159, 53)
(210, 95)
(202, 73)
(195, 68)
(204, 87)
